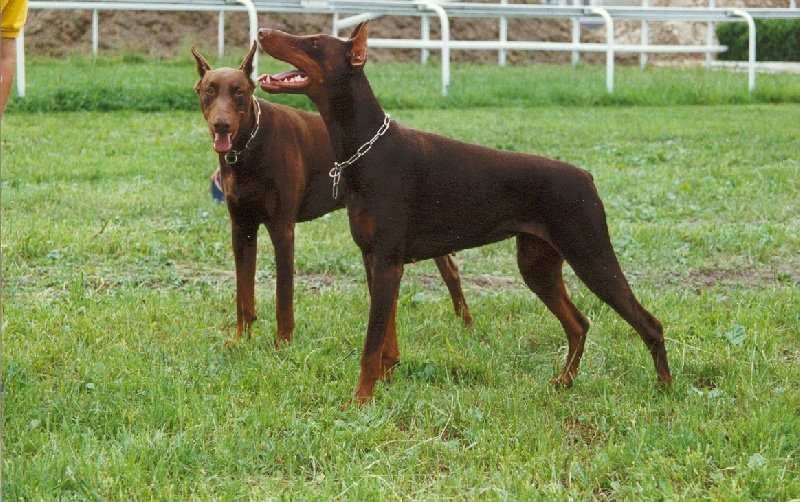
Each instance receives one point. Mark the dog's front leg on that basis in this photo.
(245, 249)
(385, 284)
(391, 351)
(282, 235)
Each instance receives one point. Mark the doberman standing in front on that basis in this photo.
(274, 165)
(414, 195)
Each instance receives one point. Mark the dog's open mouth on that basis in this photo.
(293, 79)
(222, 142)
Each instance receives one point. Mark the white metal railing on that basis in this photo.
(359, 10)
(578, 14)
(187, 5)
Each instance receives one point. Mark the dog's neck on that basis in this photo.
(246, 129)
(243, 143)
(352, 115)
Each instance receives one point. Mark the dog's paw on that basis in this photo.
(361, 401)
(387, 370)
(561, 382)
(282, 341)
(664, 384)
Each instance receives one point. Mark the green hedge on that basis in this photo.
(776, 40)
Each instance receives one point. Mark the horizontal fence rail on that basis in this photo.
(359, 10)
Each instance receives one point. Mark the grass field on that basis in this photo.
(133, 83)
(118, 296)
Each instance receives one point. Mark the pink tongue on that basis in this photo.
(222, 142)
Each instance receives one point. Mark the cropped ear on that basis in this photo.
(358, 45)
(247, 64)
(202, 64)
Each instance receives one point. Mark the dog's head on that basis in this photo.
(226, 97)
(321, 61)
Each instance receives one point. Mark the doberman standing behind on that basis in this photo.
(415, 195)
(274, 164)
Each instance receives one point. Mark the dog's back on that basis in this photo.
(443, 183)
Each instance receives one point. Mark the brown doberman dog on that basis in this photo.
(274, 164)
(415, 195)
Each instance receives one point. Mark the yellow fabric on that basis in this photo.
(12, 18)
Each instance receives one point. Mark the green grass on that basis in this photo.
(134, 83)
(118, 295)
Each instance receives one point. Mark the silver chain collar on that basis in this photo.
(232, 157)
(336, 172)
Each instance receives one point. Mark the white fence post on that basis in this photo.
(426, 37)
(221, 34)
(445, 22)
(20, 80)
(645, 37)
(95, 35)
(751, 56)
(576, 35)
(710, 39)
(501, 54)
(609, 46)
(251, 11)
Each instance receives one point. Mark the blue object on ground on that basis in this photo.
(216, 193)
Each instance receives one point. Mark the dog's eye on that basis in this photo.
(238, 92)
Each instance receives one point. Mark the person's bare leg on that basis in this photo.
(8, 64)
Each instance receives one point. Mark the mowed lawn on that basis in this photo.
(118, 296)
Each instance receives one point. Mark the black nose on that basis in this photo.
(222, 126)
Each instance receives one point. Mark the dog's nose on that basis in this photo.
(222, 126)
(264, 32)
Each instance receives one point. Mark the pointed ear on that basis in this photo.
(202, 64)
(358, 43)
(247, 64)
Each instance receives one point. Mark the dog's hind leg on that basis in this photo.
(449, 270)
(608, 282)
(245, 249)
(541, 267)
(587, 247)
(282, 236)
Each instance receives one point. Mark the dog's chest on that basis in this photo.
(362, 226)
(255, 199)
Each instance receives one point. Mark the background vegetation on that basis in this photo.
(118, 295)
(776, 40)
